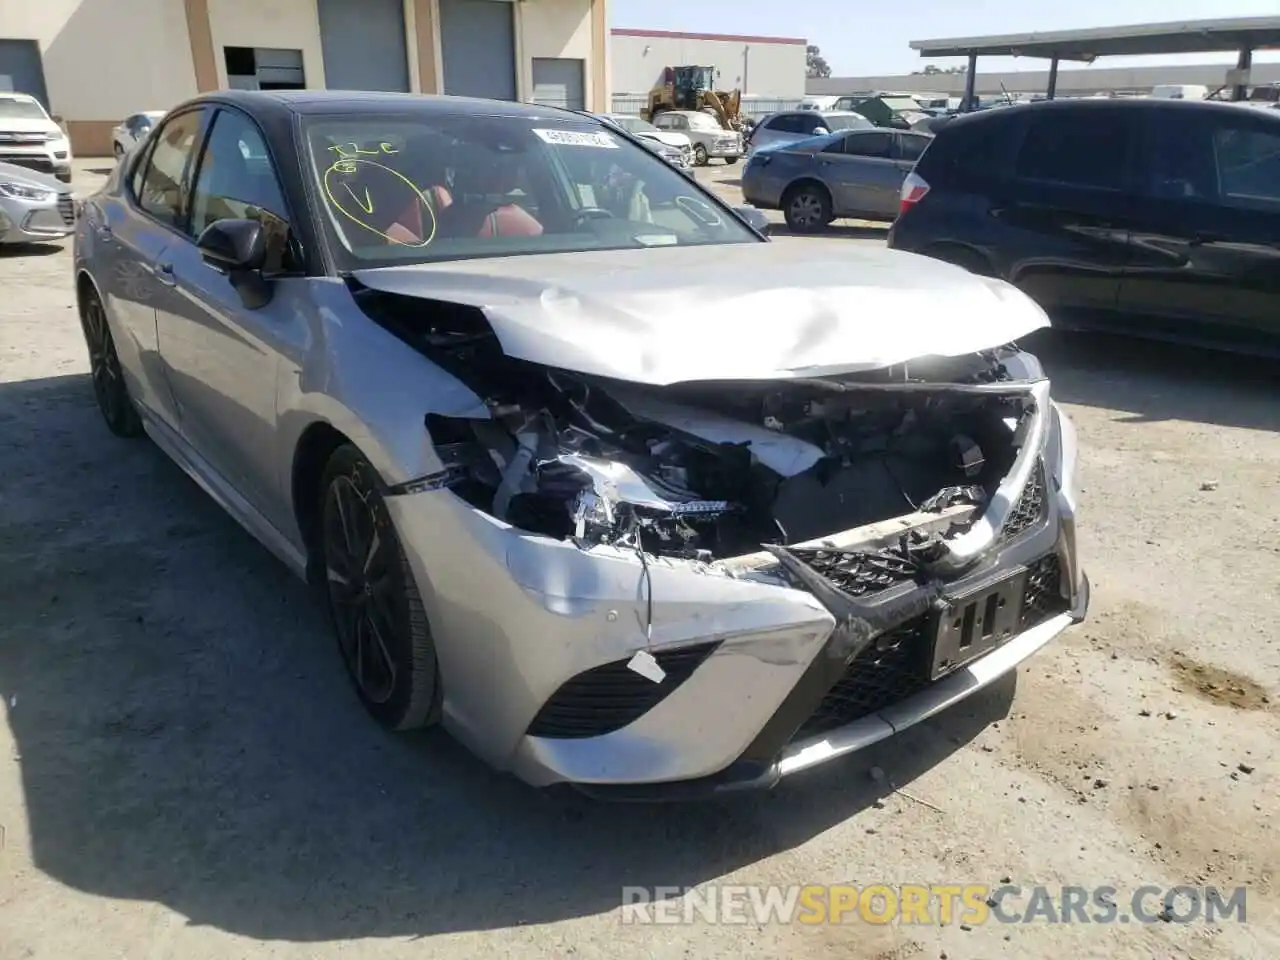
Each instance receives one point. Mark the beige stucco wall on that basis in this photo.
(90, 78)
(557, 28)
(284, 24)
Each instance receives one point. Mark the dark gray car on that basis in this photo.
(855, 173)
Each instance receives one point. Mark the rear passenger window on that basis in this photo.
(1248, 168)
(868, 144)
(912, 147)
(1084, 148)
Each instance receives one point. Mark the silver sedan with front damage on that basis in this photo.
(621, 493)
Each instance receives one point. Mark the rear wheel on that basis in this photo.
(700, 156)
(114, 402)
(807, 207)
(378, 616)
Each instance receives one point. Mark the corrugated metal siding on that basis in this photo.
(477, 38)
(766, 68)
(364, 44)
(21, 70)
(559, 82)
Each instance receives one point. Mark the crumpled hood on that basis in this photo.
(750, 311)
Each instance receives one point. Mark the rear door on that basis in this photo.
(864, 177)
(132, 233)
(1206, 259)
(1066, 212)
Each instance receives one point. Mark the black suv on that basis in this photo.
(1153, 217)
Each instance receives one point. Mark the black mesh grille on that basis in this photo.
(858, 573)
(1043, 597)
(67, 208)
(1030, 507)
(896, 665)
(41, 164)
(607, 698)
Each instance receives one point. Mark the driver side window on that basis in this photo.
(159, 183)
(235, 180)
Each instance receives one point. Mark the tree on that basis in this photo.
(933, 70)
(815, 65)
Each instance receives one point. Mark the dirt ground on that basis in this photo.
(184, 772)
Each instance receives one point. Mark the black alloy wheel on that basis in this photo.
(114, 402)
(378, 615)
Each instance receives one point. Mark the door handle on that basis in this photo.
(104, 233)
(164, 273)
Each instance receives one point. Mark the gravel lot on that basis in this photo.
(184, 772)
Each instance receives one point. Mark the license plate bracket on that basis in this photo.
(975, 622)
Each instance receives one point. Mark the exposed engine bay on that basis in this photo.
(711, 470)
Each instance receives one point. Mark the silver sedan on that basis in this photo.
(588, 470)
(34, 207)
(849, 174)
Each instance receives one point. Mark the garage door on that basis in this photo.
(364, 45)
(477, 38)
(558, 83)
(21, 70)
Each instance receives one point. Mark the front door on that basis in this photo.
(1068, 210)
(1206, 260)
(222, 356)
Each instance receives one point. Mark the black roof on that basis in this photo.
(1133, 104)
(320, 102)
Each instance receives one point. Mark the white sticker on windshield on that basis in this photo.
(573, 138)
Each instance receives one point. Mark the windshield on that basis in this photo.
(12, 108)
(635, 125)
(407, 189)
(845, 123)
(702, 121)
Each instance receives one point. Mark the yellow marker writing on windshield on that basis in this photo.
(335, 186)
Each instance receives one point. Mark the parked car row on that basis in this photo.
(30, 138)
(1156, 217)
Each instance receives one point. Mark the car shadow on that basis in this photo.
(186, 735)
(100, 171)
(1151, 381)
(45, 249)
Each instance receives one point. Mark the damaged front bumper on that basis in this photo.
(763, 672)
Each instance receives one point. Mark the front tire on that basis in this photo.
(109, 389)
(807, 208)
(700, 156)
(381, 625)
(730, 161)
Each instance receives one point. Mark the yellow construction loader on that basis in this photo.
(691, 88)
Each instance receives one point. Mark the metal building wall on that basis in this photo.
(766, 66)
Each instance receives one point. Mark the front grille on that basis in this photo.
(607, 698)
(896, 664)
(1043, 597)
(67, 208)
(892, 668)
(859, 572)
(1030, 507)
(42, 164)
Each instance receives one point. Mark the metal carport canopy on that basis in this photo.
(1241, 34)
(1185, 36)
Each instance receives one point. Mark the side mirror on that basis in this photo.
(820, 131)
(755, 218)
(238, 248)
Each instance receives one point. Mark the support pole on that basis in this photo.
(969, 79)
(1243, 62)
(1052, 89)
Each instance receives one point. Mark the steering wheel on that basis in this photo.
(592, 213)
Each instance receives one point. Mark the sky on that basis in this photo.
(871, 37)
